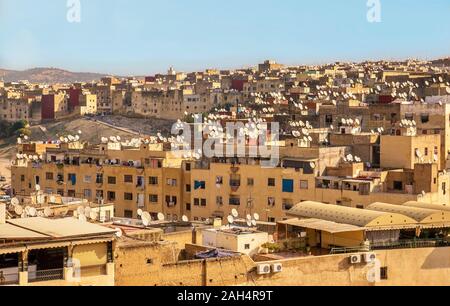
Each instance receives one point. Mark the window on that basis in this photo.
(99, 194)
(172, 182)
(203, 202)
(328, 119)
(360, 206)
(87, 179)
(199, 185)
(303, 184)
(128, 214)
(188, 167)
(22, 178)
(111, 180)
(219, 180)
(188, 206)
(271, 182)
(250, 182)
(99, 179)
(247, 246)
(49, 176)
(153, 180)
(196, 202)
(444, 188)
(87, 193)
(128, 196)
(235, 201)
(384, 273)
(72, 178)
(219, 200)
(153, 198)
(398, 185)
(288, 186)
(271, 201)
(426, 151)
(128, 178)
(111, 196)
(188, 188)
(425, 118)
(171, 201)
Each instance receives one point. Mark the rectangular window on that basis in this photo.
(250, 182)
(203, 202)
(153, 180)
(196, 202)
(188, 206)
(425, 118)
(398, 185)
(188, 188)
(219, 180)
(87, 179)
(384, 273)
(99, 178)
(271, 182)
(247, 246)
(219, 200)
(153, 198)
(128, 178)
(188, 167)
(199, 185)
(271, 201)
(172, 182)
(111, 196)
(111, 180)
(235, 201)
(127, 196)
(288, 186)
(49, 176)
(87, 193)
(128, 214)
(303, 184)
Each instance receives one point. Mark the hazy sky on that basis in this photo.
(146, 36)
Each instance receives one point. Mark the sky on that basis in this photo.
(143, 37)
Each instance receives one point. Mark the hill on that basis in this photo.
(48, 76)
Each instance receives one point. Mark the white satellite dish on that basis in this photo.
(146, 218)
(32, 212)
(230, 219)
(256, 216)
(80, 210)
(27, 210)
(93, 215)
(254, 223)
(161, 217)
(312, 165)
(38, 187)
(235, 213)
(249, 223)
(82, 218)
(87, 211)
(15, 201)
(185, 219)
(249, 217)
(48, 212)
(119, 232)
(140, 212)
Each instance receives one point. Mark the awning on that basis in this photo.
(12, 250)
(323, 225)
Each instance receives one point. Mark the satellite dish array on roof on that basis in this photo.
(251, 221)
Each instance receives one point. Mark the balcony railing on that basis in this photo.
(9, 278)
(48, 275)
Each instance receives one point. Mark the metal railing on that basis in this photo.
(48, 275)
(9, 278)
(401, 244)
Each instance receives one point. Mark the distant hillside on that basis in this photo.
(442, 62)
(48, 75)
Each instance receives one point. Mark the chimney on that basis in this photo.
(2, 213)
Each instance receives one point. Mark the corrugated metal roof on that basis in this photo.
(61, 228)
(427, 206)
(348, 215)
(421, 215)
(323, 225)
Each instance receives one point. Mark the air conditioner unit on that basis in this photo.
(355, 259)
(264, 269)
(277, 268)
(370, 257)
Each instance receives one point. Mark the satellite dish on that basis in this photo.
(48, 212)
(146, 218)
(254, 223)
(93, 215)
(235, 213)
(80, 210)
(249, 217)
(230, 219)
(312, 165)
(256, 216)
(161, 217)
(249, 223)
(87, 211)
(38, 187)
(140, 212)
(119, 232)
(15, 201)
(82, 218)
(32, 212)
(27, 210)
(185, 219)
